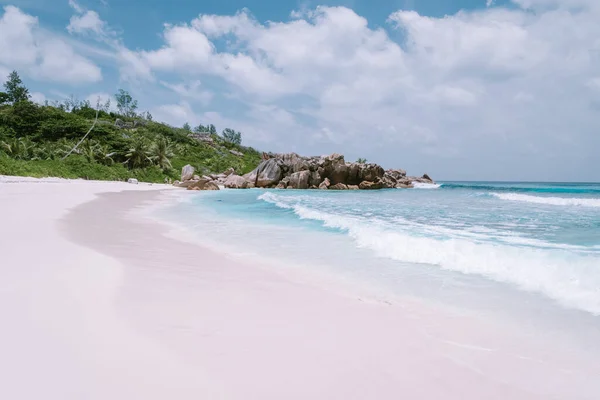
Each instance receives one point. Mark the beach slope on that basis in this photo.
(99, 303)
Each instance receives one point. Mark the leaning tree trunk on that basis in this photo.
(84, 136)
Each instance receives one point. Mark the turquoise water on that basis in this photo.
(538, 239)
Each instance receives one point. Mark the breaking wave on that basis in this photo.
(566, 188)
(569, 277)
(555, 201)
(420, 185)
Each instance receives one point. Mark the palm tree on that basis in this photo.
(88, 150)
(104, 155)
(19, 149)
(139, 154)
(161, 152)
(43, 152)
(62, 146)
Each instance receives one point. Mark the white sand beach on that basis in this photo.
(98, 303)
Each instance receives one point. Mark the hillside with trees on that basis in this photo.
(77, 139)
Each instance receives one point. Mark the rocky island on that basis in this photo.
(292, 171)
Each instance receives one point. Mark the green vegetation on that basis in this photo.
(50, 140)
(362, 161)
(232, 136)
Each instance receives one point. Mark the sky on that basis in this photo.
(461, 90)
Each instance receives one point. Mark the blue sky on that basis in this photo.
(466, 89)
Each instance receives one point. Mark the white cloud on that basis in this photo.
(30, 50)
(489, 3)
(176, 114)
(75, 6)
(552, 4)
(478, 94)
(453, 95)
(184, 48)
(477, 87)
(494, 42)
(594, 83)
(60, 63)
(88, 21)
(192, 90)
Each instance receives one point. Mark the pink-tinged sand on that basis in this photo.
(97, 303)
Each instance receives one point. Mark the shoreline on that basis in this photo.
(156, 317)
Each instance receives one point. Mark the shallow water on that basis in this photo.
(530, 250)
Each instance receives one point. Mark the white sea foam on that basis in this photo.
(568, 277)
(555, 201)
(420, 185)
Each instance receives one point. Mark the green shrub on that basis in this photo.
(34, 140)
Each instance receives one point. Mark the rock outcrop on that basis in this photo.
(368, 185)
(325, 184)
(211, 186)
(338, 186)
(235, 182)
(187, 173)
(195, 182)
(291, 171)
(195, 185)
(299, 180)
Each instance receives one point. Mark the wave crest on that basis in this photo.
(555, 201)
(568, 277)
(420, 185)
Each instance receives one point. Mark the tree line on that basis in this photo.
(38, 133)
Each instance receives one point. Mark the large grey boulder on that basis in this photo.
(235, 182)
(339, 173)
(299, 180)
(371, 172)
(314, 179)
(333, 167)
(268, 173)
(187, 173)
(250, 177)
(354, 173)
(396, 173)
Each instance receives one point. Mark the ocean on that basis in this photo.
(530, 248)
